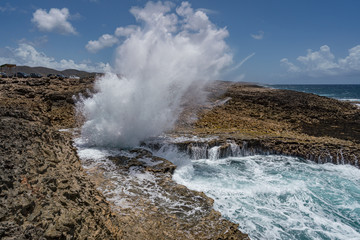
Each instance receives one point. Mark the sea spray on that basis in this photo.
(173, 51)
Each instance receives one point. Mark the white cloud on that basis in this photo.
(108, 40)
(105, 40)
(38, 41)
(258, 36)
(126, 31)
(56, 20)
(323, 63)
(7, 8)
(352, 61)
(25, 54)
(207, 11)
(290, 66)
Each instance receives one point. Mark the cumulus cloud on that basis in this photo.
(352, 61)
(207, 11)
(126, 31)
(324, 63)
(108, 40)
(289, 65)
(104, 41)
(37, 41)
(26, 54)
(56, 20)
(258, 36)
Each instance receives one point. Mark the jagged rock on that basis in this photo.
(45, 193)
(281, 122)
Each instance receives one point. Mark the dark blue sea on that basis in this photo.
(339, 91)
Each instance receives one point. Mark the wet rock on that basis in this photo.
(282, 122)
(45, 193)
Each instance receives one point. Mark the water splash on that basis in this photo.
(173, 51)
(134, 189)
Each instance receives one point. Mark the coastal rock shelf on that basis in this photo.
(319, 152)
(141, 188)
(47, 192)
(276, 121)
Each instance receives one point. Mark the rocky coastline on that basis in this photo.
(46, 194)
(265, 120)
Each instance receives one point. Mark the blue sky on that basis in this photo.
(284, 41)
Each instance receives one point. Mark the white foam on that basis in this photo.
(150, 162)
(134, 188)
(93, 154)
(214, 153)
(350, 99)
(65, 130)
(278, 197)
(166, 138)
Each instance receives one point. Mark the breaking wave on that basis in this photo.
(278, 197)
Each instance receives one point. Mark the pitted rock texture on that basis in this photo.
(281, 122)
(46, 194)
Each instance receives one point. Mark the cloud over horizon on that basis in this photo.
(104, 41)
(323, 63)
(56, 20)
(26, 54)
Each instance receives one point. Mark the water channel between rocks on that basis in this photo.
(269, 196)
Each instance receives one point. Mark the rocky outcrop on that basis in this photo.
(281, 122)
(46, 194)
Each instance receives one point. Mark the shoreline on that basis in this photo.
(282, 121)
(49, 194)
(46, 193)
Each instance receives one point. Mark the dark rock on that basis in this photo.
(283, 122)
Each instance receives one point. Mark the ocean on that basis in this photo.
(280, 197)
(343, 92)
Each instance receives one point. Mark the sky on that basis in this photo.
(278, 41)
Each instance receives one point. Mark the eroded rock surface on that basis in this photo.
(46, 194)
(281, 122)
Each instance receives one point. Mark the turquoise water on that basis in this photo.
(338, 91)
(278, 197)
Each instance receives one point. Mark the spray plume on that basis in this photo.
(172, 51)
